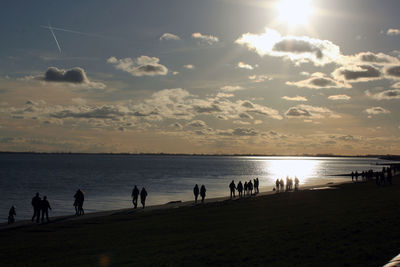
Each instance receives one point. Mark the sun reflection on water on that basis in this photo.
(302, 168)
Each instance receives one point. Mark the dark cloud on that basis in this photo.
(104, 112)
(393, 71)
(207, 108)
(297, 46)
(75, 75)
(244, 132)
(364, 72)
(388, 94)
(370, 57)
(247, 104)
(197, 124)
(322, 82)
(298, 112)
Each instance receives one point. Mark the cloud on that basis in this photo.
(209, 39)
(339, 97)
(393, 72)
(260, 78)
(297, 49)
(76, 76)
(359, 73)
(396, 85)
(224, 95)
(385, 95)
(141, 66)
(245, 132)
(169, 36)
(243, 65)
(310, 112)
(197, 124)
(295, 98)
(189, 66)
(376, 111)
(319, 80)
(231, 88)
(393, 32)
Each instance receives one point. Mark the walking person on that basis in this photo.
(232, 187)
(143, 195)
(135, 195)
(11, 214)
(250, 187)
(196, 193)
(78, 203)
(45, 206)
(202, 193)
(36, 202)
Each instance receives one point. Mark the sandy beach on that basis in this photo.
(356, 224)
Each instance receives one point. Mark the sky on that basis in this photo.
(205, 77)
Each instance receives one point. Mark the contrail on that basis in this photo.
(76, 32)
(55, 38)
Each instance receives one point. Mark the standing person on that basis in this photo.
(296, 183)
(202, 193)
(240, 188)
(143, 195)
(282, 184)
(256, 183)
(36, 201)
(135, 195)
(11, 215)
(277, 184)
(246, 188)
(232, 187)
(196, 193)
(45, 206)
(250, 187)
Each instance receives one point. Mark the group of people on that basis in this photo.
(280, 184)
(244, 189)
(40, 207)
(383, 177)
(201, 192)
(135, 196)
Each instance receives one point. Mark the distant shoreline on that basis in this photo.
(385, 157)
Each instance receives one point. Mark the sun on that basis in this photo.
(294, 12)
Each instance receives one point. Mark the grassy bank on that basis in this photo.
(354, 225)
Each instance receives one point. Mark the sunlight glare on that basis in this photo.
(294, 12)
(303, 169)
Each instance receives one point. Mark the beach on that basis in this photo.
(354, 224)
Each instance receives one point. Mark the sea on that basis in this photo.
(108, 179)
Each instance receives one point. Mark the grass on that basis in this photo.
(355, 225)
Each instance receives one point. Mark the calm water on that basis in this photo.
(108, 179)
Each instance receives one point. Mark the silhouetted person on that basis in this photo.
(135, 195)
(232, 187)
(45, 206)
(250, 187)
(196, 193)
(389, 176)
(246, 188)
(143, 195)
(282, 184)
(11, 215)
(296, 183)
(256, 185)
(356, 175)
(79, 199)
(36, 202)
(277, 185)
(202, 193)
(240, 188)
(352, 176)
